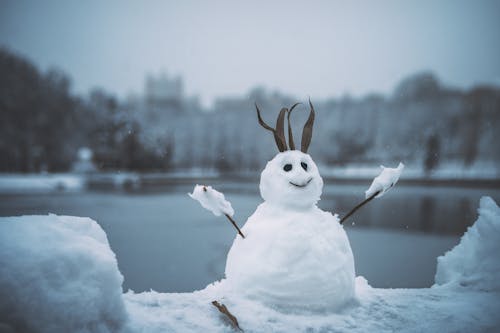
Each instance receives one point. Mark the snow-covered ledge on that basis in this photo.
(58, 274)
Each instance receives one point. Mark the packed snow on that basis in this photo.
(292, 260)
(58, 274)
(295, 189)
(387, 178)
(475, 262)
(212, 200)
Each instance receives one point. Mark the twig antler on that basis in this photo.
(279, 131)
(290, 136)
(308, 130)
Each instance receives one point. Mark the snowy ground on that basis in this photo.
(437, 309)
(58, 274)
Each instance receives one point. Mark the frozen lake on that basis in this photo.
(165, 241)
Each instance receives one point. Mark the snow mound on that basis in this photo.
(58, 274)
(475, 262)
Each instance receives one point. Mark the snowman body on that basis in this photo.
(294, 256)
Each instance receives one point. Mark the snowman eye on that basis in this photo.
(304, 165)
(287, 167)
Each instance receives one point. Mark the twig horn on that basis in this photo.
(307, 131)
(290, 136)
(279, 132)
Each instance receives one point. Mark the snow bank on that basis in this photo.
(475, 261)
(58, 274)
(40, 183)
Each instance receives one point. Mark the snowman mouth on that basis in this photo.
(301, 185)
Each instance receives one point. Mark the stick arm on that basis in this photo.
(358, 206)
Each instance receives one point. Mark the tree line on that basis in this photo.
(43, 124)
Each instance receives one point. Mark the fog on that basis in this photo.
(114, 110)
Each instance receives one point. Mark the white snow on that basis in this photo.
(475, 261)
(212, 200)
(292, 261)
(378, 310)
(283, 188)
(58, 274)
(387, 178)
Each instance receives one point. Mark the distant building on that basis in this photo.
(231, 104)
(163, 91)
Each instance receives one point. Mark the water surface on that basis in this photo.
(165, 241)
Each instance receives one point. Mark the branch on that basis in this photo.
(223, 309)
(358, 206)
(235, 225)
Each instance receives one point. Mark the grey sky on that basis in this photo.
(307, 48)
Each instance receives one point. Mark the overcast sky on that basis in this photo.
(306, 48)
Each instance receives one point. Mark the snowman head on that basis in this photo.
(291, 179)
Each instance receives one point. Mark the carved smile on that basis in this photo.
(302, 185)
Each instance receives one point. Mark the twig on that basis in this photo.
(358, 206)
(235, 225)
(223, 309)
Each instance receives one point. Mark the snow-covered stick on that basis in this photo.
(386, 180)
(215, 202)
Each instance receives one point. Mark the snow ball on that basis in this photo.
(292, 261)
(212, 200)
(291, 179)
(475, 262)
(387, 178)
(58, 274)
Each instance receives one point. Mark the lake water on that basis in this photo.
(165, 241)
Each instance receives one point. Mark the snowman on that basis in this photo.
(293, 256)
